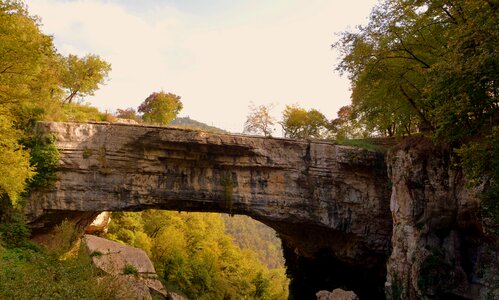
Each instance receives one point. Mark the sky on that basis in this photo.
(220, 56)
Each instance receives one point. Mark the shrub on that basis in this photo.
(130, 270)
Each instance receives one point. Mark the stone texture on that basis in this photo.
(317, 195)
(439, 249)
(336, 294)
(99, 224)
(112, 258)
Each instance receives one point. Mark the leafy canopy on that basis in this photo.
(260, 120)
(425, 66)
(160, 108)
(301, 124)
(81, 76)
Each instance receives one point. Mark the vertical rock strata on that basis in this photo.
(320, 197)
(439, 250)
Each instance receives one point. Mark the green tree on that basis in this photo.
(81, 77)
(346, 126)
(14, 162)
(259, 120)
(301, 124)
(160, 108)
(432, 66)
(425, 66)
(128, 113)
(28, 81)
(193, 255)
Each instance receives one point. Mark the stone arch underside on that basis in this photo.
(328, 203)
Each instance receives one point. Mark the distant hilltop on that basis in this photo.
(187, 122)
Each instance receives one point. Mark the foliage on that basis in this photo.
(254, 235)
(130, 270)
(432, 66)
(259, 120)
(301, 124)
(28, 66)
(44, 276)
(13, 229)
(425, 65)
(480, 161)
(14, 162)
(128, 113)
(81, 76)
(192, 254)
(346, 126)
(360, 143)
(160, 108)
(44, 159)
(228, 187)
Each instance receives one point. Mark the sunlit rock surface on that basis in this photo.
(100, 224)
(130, 265)
(322, 199)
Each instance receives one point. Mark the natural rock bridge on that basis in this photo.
(328, 203)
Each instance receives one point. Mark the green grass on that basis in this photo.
(33, 273)
(360, 143)
(130, 270)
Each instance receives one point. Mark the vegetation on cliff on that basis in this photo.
(35, 81)
(431, 67)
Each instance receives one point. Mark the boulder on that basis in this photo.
(132, 266)
(336, 294)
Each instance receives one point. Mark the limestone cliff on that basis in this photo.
(439, 249)
(323, 199)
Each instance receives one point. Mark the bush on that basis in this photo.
(130, 270)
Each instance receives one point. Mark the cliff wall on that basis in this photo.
(440, 250)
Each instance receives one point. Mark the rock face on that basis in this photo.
(100, 224)
(439, 250)
(131, 265)
(336, 294)
(323, 199)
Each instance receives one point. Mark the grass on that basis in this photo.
(34, 273)
(130, 270)
(360, 143)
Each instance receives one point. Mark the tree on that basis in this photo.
(301, 124)
(192, 253)
(432, 66)
(128, 113)
(345, 126)
(81, 76)
(259, 120)
(160, 108)
(425, 66)
(27, 83)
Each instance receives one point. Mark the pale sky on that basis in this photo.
(218, 55)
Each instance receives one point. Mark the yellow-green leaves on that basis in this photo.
(15, 166)
(302, 124)
(160, 108)
(81, 76)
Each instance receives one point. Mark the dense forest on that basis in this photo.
(195, 256)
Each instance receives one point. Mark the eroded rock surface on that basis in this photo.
(320, 197)
(100, 224)
(131, 265)
(336, 294)
(439, 247)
